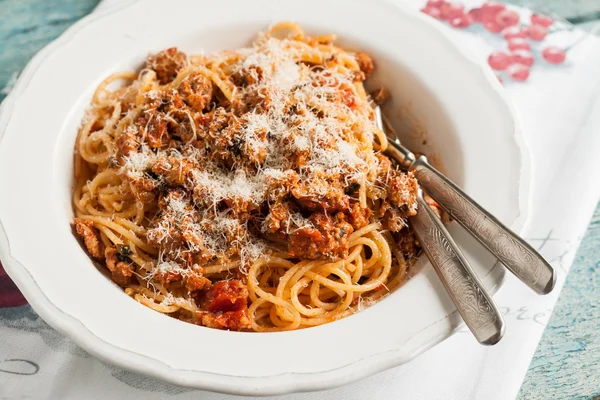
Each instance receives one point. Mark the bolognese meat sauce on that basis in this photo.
(280, 165)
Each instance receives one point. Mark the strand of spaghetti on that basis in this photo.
(138, 230)
(375, 250)
(315, 294)
(382, 143)
(110, 235)
(369, 285)
(302, 272)
(218, 81)
(83, 143)
(157, 307)
(106, 177)
(301, 284)
(101, 90)
(105, 240)
(91, 210)
(213, 269)
(291, 326)
(363, 231)
(283, 26)
(124, 232)
(254, 289)
(176, 301)
(358, 272)
(297, 270)
(330, 316)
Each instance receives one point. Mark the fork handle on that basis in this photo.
(473, 302)
(512, 251)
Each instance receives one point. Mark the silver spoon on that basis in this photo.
(472, 300)
(511, 250)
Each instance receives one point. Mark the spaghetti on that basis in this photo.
(246, 189)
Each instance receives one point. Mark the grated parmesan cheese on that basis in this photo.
(297, 122)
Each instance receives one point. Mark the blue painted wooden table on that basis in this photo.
(566, 364)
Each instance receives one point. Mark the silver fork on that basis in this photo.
(472, 300)
(511, 250)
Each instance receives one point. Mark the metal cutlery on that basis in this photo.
(472, 300)
(470, 297)
(511, 250)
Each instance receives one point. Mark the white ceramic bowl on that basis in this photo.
(438, 92)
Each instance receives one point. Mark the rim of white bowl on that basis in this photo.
(287, 382)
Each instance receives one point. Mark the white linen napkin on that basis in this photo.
(560, 110)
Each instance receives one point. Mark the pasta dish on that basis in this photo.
(245, 189)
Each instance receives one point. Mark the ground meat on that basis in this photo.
(321, 192)
(380, 95)
(277, 219)
(195, 281)
(327, 238)
(252, 144)
(402, 191)
(406, 243)
(359, 76)
(239, 206)
(279, 187)
(254, 153)
(167, 64)
(197, 91)
(164, 235)
(175, 171)
(121, 271)
(230, 320)
(181, 128)
(359, 216)
(167, 230)
(365, 63)
(394, 220)
(223, 130)
(154, 128)
(384, 167)
(127, 144)
(347, 97)
(248, 76)
(329, 204)
(91, 237)
(142, 187)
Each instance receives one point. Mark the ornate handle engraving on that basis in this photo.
(470, 297)
(512, 251)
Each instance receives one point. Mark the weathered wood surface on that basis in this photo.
(567, 362)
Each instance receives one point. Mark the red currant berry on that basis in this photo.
(451, 11)
(432, 12)
(461, 22)
(476, 15)
(518, 72)
(507, 18)
(492, 27)
(554, 55)
(500, 78)
(536, 32)
(518, 44)
(513, 32)
(522, 57)
(493, 6)
(499, 60)
(543, 20)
